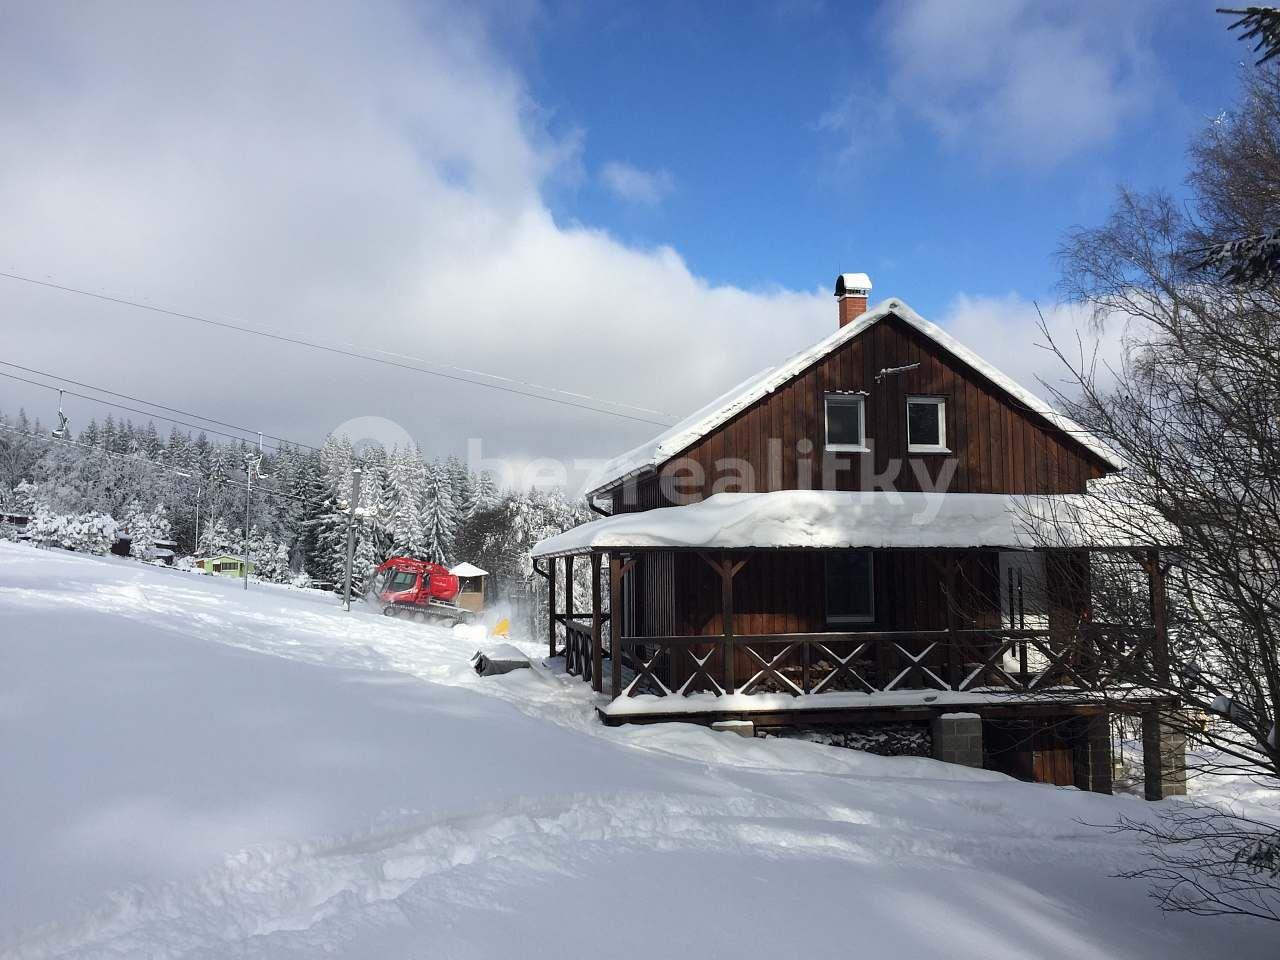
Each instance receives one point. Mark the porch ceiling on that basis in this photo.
(821, 519)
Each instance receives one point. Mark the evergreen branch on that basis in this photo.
(1260, 22)
(1247, 260)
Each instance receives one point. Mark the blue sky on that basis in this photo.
(787, 153)
(645, 203)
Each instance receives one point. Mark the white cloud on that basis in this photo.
(362, 173)
(1004, 330)
(1019, 80)
(634, 185)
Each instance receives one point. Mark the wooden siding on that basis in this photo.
(997, 446)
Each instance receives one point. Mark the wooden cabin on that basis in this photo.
(472, 581)
(882, 529)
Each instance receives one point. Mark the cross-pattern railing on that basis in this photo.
(1091, 657)
(577, 649)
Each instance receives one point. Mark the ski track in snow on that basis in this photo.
(949, 860)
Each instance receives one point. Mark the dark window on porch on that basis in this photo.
(850, 587)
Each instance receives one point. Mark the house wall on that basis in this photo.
(997, 446)
(784, 591)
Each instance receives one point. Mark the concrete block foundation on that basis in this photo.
(1164, 755)
(957, 738)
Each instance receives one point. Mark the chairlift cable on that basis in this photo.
(146, 413)
(150, 403)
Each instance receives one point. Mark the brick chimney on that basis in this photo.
(852, 290)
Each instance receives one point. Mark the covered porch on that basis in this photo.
(724, 611)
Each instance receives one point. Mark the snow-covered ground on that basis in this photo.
(189, 770)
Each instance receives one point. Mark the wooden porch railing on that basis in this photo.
(578, 660)
(1092, 657)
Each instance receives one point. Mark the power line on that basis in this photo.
(149, 403)
(121, 406)
(358, 355)
(158, 406)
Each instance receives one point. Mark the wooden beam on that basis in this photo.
(568, 587)
(953, 651)
(616, 572)
(843, 716)
(597, 644)
(551, 607)
(728, 569)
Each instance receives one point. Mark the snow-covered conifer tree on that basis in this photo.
(404, 504)
(439, 515)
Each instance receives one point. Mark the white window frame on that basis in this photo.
(845, 399)
(846, 618)
(941, 445)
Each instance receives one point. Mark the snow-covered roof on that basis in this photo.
(468, 570)
(829, 519)
(653, 453)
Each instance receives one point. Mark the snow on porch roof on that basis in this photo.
(653, 453)
(878, 519)
(465, 569)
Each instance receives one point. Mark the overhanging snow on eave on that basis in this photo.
(884, 520)
(651, 455)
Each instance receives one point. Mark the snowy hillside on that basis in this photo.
(190, 770)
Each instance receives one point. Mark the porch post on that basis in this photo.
(568, 587)
(551, 605)
(953, 652)
(730, 648)
(1159, 617)
(597, 649)
(615, 624)
(572, 642)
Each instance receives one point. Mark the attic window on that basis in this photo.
(927, 425)
(846, 422)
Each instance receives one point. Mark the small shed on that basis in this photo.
(16, 524)
(164, 551)
(224, 564)
(473, 580)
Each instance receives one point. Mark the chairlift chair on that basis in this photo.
(64, 423)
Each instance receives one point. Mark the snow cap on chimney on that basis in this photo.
(852, 290)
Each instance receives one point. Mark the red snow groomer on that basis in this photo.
(419, 590)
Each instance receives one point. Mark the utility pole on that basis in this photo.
(248, 507)
(198, 489)
(351, 535)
